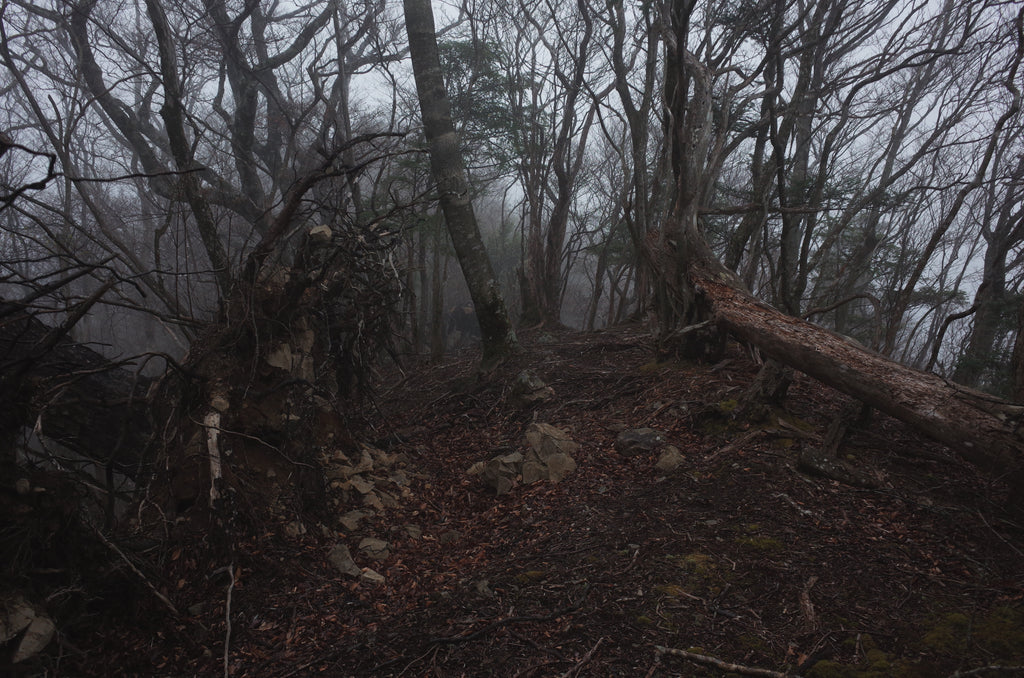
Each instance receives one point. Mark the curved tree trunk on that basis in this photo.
(497, 335)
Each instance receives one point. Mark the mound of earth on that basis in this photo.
(705, 545)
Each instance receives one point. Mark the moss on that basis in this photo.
(531, 576)
(761, 543)
(651, 368)
(949, 634)
(700, 564)
(728, 406)
(1001, 632)
(644, 620)
(672, 590)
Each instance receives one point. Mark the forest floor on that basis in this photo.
(736, 556)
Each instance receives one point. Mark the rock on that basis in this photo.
(23, 625)
(295, 529)
(321, 235)
(548, 458)
(534, 471)
(820, 462)
(528, 389)
(377, 549)
(499, 473)
(22, 486)
(371, 577)
(559, 466)
(670, 460)
(638, 440)
(350, 521)
(449, 537)
(341, 559)
(414, 531)
(373, 501)
(545, 440)
(361, 485)
(550, 454)
(36, 638)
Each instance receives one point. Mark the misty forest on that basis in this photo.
(511, 338)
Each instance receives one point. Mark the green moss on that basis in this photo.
(672, 590)
(531, 576)
(698, 563)
(1001, 632)
(728, 406)
(949, 634)
(651, 368)
(761, 543)
(644, 620)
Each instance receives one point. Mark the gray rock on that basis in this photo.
(295, 529)
(638, 440)
(449, 537)
(500, 473)
(341, 559)
(559, 466)
(670, 460)
(545, 440)
(350, 521)
(371, 577)
(529, 389)
(377, 549)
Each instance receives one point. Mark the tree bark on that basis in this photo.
(449, 172)
(983, 429)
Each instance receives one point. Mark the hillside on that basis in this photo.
(734, 555)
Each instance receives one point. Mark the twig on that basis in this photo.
(723, 666)
(227, 619)
(985, 669)
(163, 599)
(575, 671)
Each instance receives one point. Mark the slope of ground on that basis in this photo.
(736, 555)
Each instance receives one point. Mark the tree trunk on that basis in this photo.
(449, 172)
(983, 429)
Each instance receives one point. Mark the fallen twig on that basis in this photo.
(575, 671)
(1018, 670)
(113, 547)
(721, 665)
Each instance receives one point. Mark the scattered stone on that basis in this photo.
(18, 617)
(670, 460)
(36, 637)
(399, 478)
(295, 529)
(22, 486)
(820, 462)
(373, 501)
(341, 559)
(361, 485)
(414, 531)
(499, 473)
(449, 537)
(377, 549)
(220, 403)
(350, 521)
(528, 389)
(550, 454)
(197, 609)
(483, 587)
(638, 440)
(371, 576)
